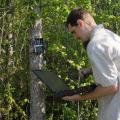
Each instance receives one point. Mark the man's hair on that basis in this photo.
(75, 14)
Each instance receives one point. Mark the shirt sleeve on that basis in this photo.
(104, 69)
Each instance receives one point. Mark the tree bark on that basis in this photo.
(37, 100)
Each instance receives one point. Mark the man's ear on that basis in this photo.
(80, 22)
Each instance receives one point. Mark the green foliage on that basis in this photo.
(70, 113)
(14, 78)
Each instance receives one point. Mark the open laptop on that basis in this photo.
(58, 86)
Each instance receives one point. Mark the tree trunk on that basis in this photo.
(37, 106)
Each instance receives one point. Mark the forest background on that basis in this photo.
(64, 54)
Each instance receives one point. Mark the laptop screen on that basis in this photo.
(51, 80)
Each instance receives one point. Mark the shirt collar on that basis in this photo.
(85, 44)
(96, 29)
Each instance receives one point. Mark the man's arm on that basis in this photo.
(97, 93)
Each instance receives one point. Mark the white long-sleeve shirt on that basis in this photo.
(104, 54)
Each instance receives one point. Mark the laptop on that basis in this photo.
(57, 85)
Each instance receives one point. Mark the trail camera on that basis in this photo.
(39, 46)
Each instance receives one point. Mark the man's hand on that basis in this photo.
(84, 73)
(72, 98)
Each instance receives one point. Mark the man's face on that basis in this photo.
(79, 31)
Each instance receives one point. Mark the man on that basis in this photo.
(103, 49)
